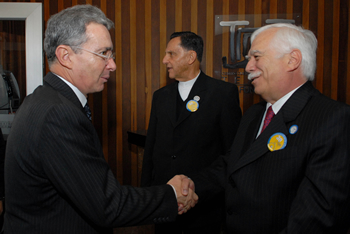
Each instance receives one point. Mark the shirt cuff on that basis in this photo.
(174, 190)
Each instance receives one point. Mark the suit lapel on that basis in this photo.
(253, 128)
(59, 85)
(171, 102)
(289, 112)
(197, 90)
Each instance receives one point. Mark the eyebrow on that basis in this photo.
(105, 48)
(169, 51)
(252, 52)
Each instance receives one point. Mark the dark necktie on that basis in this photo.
(268, 118)
(87, 111)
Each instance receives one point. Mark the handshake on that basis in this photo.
(185, 195)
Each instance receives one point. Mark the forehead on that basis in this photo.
(174, 44)
(98, 34)
(262, 41)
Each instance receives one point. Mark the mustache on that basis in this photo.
(253, 75)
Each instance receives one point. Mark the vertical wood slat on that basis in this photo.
(348, 62)
(225, 35)
(194, 15)
(209, 38)
(335, 49)
(133, 86)
(133, 78)
(306, 10)
(119, 88)
(104, 106)
(257, 23)
(320, 49)
(60, 5)
(148, 58)
(178, 15)
(290, 9)
(163, 41)
(273, 9)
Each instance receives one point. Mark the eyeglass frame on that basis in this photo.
(106, 58)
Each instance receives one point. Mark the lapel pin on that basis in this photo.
(192, 105)
(277, 141)
(293, 129)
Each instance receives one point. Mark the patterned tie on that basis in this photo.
(268, 118)
(87, 111)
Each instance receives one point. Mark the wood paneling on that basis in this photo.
(142, 30)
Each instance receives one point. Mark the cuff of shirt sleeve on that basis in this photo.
(174, 190)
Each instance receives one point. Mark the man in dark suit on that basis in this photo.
(292, 176)
(2, 186)
(56, 178)
(193, 121)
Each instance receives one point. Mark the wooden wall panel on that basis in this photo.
(347, 58)
(142, 30)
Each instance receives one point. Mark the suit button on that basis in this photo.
(173, 157)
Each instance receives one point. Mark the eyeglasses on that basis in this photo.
(106, 55)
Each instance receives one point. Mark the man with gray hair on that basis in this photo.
(57, 180)
(289, 166)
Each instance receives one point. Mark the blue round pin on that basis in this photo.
(293, 129)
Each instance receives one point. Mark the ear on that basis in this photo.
(192, 57)
(63, 54)
(294, 60)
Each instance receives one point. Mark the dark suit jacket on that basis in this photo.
(2, 159)
(303, 188)
(57, 180)
(194, 140)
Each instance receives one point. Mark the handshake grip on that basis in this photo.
(185, 193)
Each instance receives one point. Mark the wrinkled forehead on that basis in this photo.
(263, 41)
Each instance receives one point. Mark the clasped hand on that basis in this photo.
(186, 197)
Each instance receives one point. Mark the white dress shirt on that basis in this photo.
(276, 107)
(185, 87)
(80, 95)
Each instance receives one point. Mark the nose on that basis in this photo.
(165, 60)
(250, 65)
(111, 65)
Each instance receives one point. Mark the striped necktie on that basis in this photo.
(269, 115)
(87, 111)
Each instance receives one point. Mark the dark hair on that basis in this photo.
(190, 41)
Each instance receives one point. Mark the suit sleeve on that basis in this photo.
(212, 180)
(2, 158)
(73, 161)
(147, 164)
(322, 203)
(231, 115)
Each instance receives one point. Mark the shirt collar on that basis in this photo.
(186, 84)
(185, 87)
(276, 107)
(80, 95)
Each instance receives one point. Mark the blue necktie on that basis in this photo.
(87, 111)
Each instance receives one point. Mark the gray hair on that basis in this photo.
(291, 37)
(68, 27)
